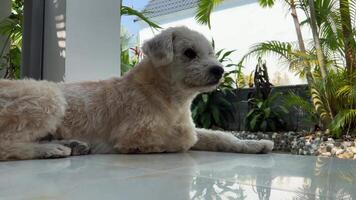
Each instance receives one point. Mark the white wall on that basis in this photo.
(5, 11)
(93, 39)
(82, 40)
(239, 24)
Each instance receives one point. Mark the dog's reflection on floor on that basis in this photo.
(175, 176)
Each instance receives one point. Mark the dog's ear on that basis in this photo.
(160, 48)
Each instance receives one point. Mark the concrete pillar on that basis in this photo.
(82, 40)
(93, 39)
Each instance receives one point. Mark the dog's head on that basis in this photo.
(186, 57)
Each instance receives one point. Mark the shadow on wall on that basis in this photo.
(55, 40)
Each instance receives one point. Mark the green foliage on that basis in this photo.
(286, 52)
(125, 10)
(125, 61)
(293, 101)
(130, 56)
(213, 109)
(265, 114)
(205, 7)
(333, 97)
(266, 3)
(340, 88)
(10, 52)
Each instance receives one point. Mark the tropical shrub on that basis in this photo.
(214, 109)
(329, 63)
(130, 56)
(336, 100)
(295, 103)
(10, 52)
(264, 113)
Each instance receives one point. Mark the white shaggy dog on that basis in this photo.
(145, 111)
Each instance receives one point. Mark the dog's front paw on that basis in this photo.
(78, 147)
(53, 151)
(267, 146)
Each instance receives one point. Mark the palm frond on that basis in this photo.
(292, 100)
(343, 119)
(319, 102)
(281, 49)
(286, 52)
(125, 10)
(204, 10)
(266, 3)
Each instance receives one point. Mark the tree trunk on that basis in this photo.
(294, 14)
(319, 51)
(319, 54)
(346, 31)
(308, 71)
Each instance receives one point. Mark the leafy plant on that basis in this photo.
(130, 56)
(328, 63)
(293, 101)
(10, 52)
(339, 89)
(264, 113)
(213, 109)
(205, 7)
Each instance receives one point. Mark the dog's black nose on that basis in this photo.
(217, 71)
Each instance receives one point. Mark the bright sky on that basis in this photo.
(128, 21)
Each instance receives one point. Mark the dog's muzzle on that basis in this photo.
(216, 72)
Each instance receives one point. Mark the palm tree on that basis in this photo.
(318, 48)
(333, 92)
(333, 89)
(319, 52)
(349, 49)
(292, 5)
(205, 7)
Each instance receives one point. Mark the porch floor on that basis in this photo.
(192, 175)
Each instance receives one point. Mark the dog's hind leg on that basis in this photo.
(29, 110)
(209, 140)
(25, 151)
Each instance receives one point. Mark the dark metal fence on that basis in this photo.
(295, 119)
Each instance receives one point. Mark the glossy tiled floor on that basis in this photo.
(193, 175)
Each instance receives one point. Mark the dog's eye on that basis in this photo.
(190, 53)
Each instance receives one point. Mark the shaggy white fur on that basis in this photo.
(145, 111)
